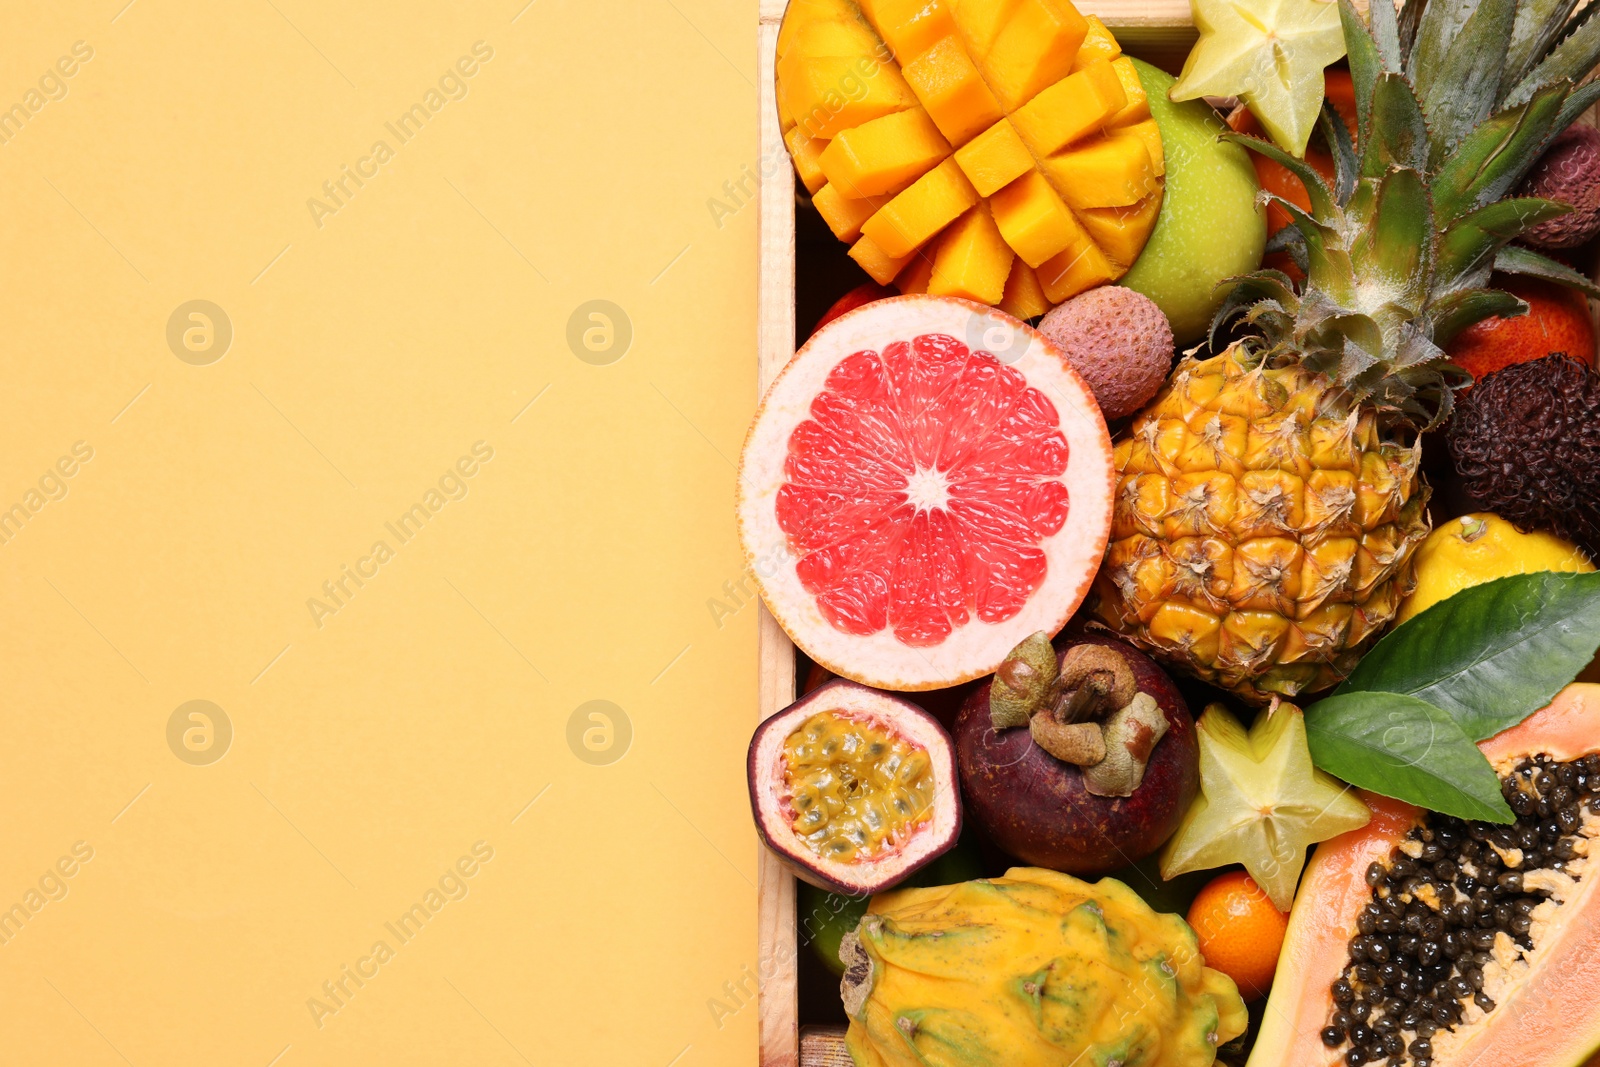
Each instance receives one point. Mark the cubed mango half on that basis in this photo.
(997, 150)
(827, 95)
(952, 91)
(880, 266)
(931, 203)
(1072, 108)
(1109, 171)
(884, 155)
(909, 27)
(1023, 297)
(845, 214)
(973, 259)
(1034, 49)
(1075, 270)
(994, 159)
(1033, 219)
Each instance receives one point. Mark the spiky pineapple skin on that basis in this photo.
(1264, 531)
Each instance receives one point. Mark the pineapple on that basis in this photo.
(1269, 499)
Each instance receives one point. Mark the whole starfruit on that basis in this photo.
(1033, 969)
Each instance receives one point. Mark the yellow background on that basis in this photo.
(369, 354)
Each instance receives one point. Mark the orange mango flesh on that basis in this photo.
(1024, 296)
(845, 214)
(1553, 1016)
(973, 260)
(883, 155)
(994, 159)
(933, 202)
(854, 790)
(940, 105)
(948, 83)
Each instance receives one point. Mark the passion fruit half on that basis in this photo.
(854, 788)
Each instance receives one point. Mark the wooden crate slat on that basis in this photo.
(779, 1012)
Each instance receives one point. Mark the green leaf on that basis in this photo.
(1573, 59)
(1404, 748)
(1250, 290)
(1366, 61)
(1493, 654)
(1343, 150)
(1466, 250)
(1392, 248)
(1327, 263)
(1396, 136)
(1514, 259)
(1494, 157)
(1386, 35)
(1538, 24)
(1318, 193)
(1577, 102)
(1463, 89)
(1455, 311)
(1289, 240)
(1442, 21)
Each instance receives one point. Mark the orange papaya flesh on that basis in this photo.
(1548, 1017)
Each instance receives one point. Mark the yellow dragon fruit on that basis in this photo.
(1036, 969)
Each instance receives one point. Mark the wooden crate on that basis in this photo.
(1160, 31)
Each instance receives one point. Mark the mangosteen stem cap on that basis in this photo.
(1023, 682)
(1094, 682)
(1130, 736)
(1081, 743)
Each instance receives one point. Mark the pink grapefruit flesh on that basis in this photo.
(926, 483)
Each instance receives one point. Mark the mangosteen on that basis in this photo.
(1526, 443)
(1093, 776)
(854, 788)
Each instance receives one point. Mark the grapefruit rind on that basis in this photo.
(1551, 1017)
(765, 770)
(1073, 552)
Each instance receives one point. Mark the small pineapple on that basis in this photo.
(1269, 502)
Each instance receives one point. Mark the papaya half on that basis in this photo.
(1544, 997)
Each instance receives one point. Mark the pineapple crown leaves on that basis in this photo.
(1398, 249)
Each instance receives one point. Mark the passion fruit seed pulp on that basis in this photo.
(855, 790)
(1457, 910)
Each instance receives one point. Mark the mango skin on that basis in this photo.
(1210, 227)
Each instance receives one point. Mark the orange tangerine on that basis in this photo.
(1240, 931)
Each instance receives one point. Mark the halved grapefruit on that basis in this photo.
(1505, 975)
(926, 483)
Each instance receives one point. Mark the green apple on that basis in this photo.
(1210, 227)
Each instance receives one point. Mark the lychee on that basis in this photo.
(1569, 173)
(1119, 341)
